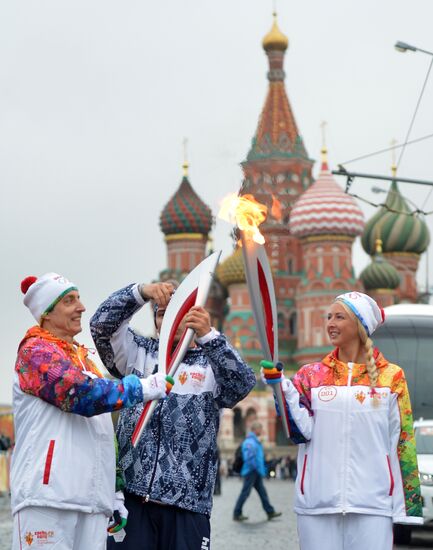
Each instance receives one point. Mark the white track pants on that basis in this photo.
(348, 532)
(37, 527)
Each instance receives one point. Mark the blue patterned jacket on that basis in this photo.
(175, 461)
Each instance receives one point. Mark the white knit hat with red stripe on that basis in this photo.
(43, 293)
(365, 309)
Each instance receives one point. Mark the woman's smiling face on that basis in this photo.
(341, 326)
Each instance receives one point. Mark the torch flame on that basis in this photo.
(246, 212)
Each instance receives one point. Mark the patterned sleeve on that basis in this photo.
(45, 373)
(116, 342)
(302, 383)
(234, 378)
(407, 507)
(297, 395)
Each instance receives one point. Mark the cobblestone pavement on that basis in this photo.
(259, 534)
(255, 534)
(5, 523)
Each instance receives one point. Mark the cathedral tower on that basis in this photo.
(277, 171)
(404, 235)
(186, 222)
(326, 220)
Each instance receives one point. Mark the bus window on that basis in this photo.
(424, 440)
(408, 342)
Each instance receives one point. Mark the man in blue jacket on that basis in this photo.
(253, 471)
(170, 475)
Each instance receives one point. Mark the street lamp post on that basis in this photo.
(403, 48)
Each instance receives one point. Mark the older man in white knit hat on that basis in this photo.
(63, 465)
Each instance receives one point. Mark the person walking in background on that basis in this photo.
(350, 413)
(253, 471)
(63, 464)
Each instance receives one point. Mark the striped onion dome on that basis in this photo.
(185, 212)
(324, 209)
(231, 271)
(380, 274)
(400, 231)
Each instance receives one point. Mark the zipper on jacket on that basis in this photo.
(158, 445)
(346, 436)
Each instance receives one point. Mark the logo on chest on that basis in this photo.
(379, 396)
(183, 377)
(196, 378)
(327, 394)
(360, 396)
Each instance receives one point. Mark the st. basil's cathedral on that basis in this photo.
(309, 247)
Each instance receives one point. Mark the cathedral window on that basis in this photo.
(336, 265)
(318, 341)
(281, 322)
(293, 324)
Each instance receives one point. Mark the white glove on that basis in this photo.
(120, 514)
(154, 387)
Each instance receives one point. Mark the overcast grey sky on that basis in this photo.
(96, 97)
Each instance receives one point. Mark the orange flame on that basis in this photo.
(277, 209)
(246, 212)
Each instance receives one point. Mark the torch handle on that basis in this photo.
(149, 408)
(276, 369)
(143, 421)
(282, 405)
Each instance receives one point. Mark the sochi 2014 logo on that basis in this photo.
(40, 538)
(183, 377)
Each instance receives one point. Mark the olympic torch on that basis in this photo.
(248, 214)
(193, 291)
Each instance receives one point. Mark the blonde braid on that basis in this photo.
(372, 371)
(366, 341)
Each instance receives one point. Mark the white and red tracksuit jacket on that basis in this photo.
(64, 455)
(355, 456)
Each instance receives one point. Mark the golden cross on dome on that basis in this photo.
(185, 164)
(394, 159)
(324, 150)
(323, 126)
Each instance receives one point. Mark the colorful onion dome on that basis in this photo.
(324, 209)
(275, 39)
(231, 271)
(399, 229)
(185, 212)
(380, 274)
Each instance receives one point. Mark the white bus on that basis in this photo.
(406, 339)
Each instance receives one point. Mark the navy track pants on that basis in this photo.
(154, 526)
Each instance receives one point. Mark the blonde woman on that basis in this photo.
(351, 416)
